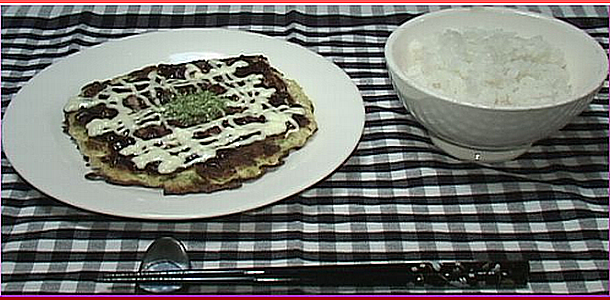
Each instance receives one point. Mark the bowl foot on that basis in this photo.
(478, 155)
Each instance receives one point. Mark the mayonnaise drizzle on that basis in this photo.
(173, 150)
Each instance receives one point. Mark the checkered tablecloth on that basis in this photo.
(396, 199)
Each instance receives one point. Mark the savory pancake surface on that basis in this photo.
(200, 126)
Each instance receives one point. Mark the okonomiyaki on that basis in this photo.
(200, 126)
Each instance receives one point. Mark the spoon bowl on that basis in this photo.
(164, 254)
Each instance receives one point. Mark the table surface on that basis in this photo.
(396, 199)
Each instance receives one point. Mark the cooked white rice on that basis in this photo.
(489, 67)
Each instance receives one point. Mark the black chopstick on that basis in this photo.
(468, 274)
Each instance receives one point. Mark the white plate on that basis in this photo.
(44, 156)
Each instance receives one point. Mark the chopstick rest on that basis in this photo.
(492, 274)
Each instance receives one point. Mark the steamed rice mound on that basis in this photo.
(489, 67)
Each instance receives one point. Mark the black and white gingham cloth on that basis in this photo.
(396, 199)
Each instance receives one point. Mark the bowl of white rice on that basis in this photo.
(487, 82)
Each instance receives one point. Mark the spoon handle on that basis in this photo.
(496, 274)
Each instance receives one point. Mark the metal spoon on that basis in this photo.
(164, 254)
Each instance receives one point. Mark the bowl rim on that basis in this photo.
(592, 88)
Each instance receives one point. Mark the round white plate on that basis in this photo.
(45, 156)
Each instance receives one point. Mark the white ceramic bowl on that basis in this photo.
(475, 132)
